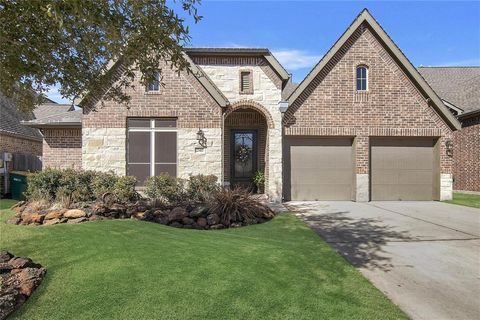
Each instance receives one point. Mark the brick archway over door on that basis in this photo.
(250, 104)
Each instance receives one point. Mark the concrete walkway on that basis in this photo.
(424, 255)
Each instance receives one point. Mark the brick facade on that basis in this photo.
(392, 106)
(62, 148)
(466, 154)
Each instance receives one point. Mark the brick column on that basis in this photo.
(362, 193)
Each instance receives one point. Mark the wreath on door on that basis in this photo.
(243, 154)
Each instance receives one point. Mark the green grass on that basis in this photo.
(465, 199)
(127, 269)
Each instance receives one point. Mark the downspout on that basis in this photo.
(282, 107)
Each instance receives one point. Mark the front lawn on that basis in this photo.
(465, 199)
(128, 269)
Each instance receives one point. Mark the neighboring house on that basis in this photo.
(363, 125)
(459, 87)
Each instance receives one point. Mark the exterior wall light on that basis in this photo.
(202, 141)
(449, 147)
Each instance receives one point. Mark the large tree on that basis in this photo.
(72, 43)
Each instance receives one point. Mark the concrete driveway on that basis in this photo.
(424, 255)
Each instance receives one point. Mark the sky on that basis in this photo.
(299, 33)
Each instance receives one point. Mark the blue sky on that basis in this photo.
(299, 33)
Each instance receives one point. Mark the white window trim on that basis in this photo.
(366, 77)
(152, 129)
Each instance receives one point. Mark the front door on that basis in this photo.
(243, 160)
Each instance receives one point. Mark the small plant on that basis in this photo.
(201, 187)
(43, 185)
(237, 206)
(165, 189)
(104, 182)
(124, 188)
(259, 180)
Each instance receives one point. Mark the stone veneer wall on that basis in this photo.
(182, 97)
(392, 106)
(466, 153)
(224, 72)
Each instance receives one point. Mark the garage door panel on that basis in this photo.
(402, 169)
(319, 168)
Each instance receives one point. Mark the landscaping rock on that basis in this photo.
(202, 222)
(77, 220)
(5, 256)
(119, 208)
(176, 224)
(74, 214)
(14, 220)
(95, 217)
(187, 221)
(199, 211)
(51, 222)
(53, 215)
(18, 278)
(177, 214)
(99, 208)
(138, 215)
(217, 226)
(213, 219)
(19, 262)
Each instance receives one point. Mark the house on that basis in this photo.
(363, 125)
(459, 88)
(21, 146)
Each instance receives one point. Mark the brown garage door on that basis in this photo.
(318, 169)
(403, 168)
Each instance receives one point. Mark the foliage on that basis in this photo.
(104, 182)
(70, 186)
(43, 185)
(70, 44)
(259, 179)
(201, 187)
(237, 205)
(124, 188)
(165, 188)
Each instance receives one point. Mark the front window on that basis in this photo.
(362, 78)
(151, 147)
(155, 84)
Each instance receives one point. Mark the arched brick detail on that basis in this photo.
(250, 104)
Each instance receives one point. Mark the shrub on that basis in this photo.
(165, 188)
(104, 182)
(201, 187)
(43, 185)
(124, 188)
(236, 206)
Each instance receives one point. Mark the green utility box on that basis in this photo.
(18, 184)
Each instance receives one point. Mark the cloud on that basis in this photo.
(293, 59)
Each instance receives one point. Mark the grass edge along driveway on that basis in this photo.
(465, 199)
(128, 269)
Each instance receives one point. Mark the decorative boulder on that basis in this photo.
(53, 215)
(177, 214)
(51, 222)
(14, 220)
(77, 220)
(5, 256)
(198, 211)
(187, 221)
(202, 222)
(213, 219)
(74, 214)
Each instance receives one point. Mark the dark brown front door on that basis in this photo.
(243, 160)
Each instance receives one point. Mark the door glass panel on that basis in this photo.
(243, 153)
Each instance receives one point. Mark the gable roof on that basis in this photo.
(118, 68)
(277, 67)
(460, 86)
(408, 68)
(50, 108)
(11, 118)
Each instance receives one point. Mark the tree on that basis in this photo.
(72, 43)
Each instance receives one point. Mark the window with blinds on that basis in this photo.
(151, 148)
(246, 85)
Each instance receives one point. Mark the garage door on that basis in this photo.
(318, 169)
(403, 168)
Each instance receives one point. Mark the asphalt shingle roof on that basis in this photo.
(11, 117)
(49, 109)
(458, 85)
